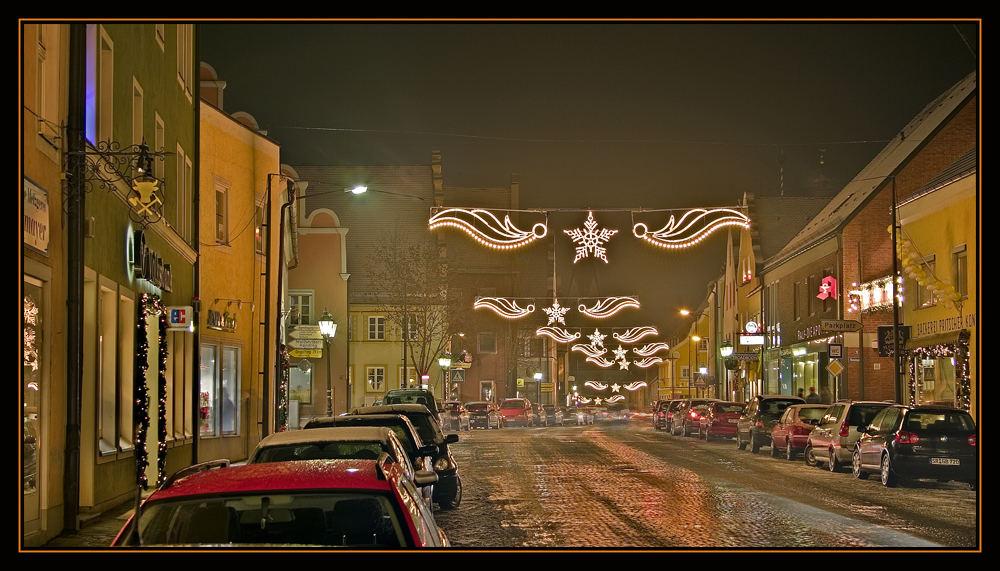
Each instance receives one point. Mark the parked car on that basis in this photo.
(421, 454)
(791, 434)
(762, 413)
(832, 441)
(517, 411)
(342, 503)
(448, 489)
(484, 414)
(601, 413)
(912, 442)
(566, 415)
(660, 413)
(413, 396)
(583, 415)
(553, 415)
(686, 419)
(454, 416)
(720, 419)
(669, 417)
(540, 418)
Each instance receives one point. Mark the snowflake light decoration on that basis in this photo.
(597, 338)
(556, 313)
(590, 239)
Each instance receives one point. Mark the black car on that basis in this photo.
(422, 455)
(911, 442)
(448, 489)
(762, 413)
(686, 419)
(454, 416)
(413, 396)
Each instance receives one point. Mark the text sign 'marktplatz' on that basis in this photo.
(148, 266)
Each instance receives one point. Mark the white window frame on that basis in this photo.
(922, 296)
(378, 321)
(217, 390)
(403, 377)
(374, 373)
(159, 142)
(159, 34)
(297, 299)
(221, 229)
(960, 280)
(137, 114)
(105, 87)
(184, 54)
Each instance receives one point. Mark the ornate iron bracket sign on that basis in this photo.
(109, 163)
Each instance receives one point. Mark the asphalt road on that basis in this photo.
(629, 486)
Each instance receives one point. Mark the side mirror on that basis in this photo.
(450, 438)
(425, 478)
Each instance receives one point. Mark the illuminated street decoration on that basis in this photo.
(484, 227)
(648, 362)
(692, 227)
(597, 400)
(555, 313)
(588, 350)
(504, 307)
(649, 349)
(635, 334)
(635, 386)
(623, 365)
(597, 338)
(557, 334)
(608, 307)
(614, 399)
(600, 362)
(620, 353)
(590, 239)
(615, 388)
(596, 385)
(584, 400)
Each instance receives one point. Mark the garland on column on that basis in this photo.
(958, 350)
(282, 389)
(140, 404)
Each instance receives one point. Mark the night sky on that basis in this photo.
(598, 115)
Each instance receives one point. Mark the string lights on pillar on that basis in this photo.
(149, 304)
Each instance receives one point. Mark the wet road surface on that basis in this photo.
(631, 486)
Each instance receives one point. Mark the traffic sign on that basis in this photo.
(836, 350)
(840, 325)
(520, 382)
(305, 353)
(457, 375)
(835, 367)
(298, 333)
(306, 343)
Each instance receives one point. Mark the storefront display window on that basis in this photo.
(31, 384)
(935, 380)
(219, 389)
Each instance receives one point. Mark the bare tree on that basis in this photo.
(412, 292)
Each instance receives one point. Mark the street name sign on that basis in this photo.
(840, 325)
(306, 343)
(307, 353)
(299, 333)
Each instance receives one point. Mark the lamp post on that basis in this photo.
(538, 386)
(328, 329)
(691, 368)
(444, 362)
(726, 351)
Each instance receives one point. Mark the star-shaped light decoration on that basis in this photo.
(615, 388)
(597, 338)
(590, 239)
(623, 365)
(620, 353)
(555, 313)
(597, 400)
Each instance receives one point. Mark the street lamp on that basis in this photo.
(328, 329)
(444, 362)
(726, 351)
(691, 368)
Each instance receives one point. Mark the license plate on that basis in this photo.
(732, 421)
(946, 461)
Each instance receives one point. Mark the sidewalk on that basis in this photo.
(97, 532)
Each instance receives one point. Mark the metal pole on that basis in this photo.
(895, 303)
(861, 339)
(329, 377)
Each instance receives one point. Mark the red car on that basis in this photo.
(720, 420)
(330, 503)
(517, 411)
(790, 436)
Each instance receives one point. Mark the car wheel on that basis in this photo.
(456, 499)
(809, 456)
(789, 455)
(856, 466)
(833, 465)
(889, 478)
(754, 444)
(774, 450)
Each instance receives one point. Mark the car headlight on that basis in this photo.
(442, 464)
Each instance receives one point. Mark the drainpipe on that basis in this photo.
(76, 161)
(277, 330)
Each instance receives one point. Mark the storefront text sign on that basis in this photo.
(221, 321)
(35, 218)
(828, 288)
(885, 348)
(947, 325)
(147, 265)
(180, 316)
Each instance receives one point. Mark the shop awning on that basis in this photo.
(950, 338)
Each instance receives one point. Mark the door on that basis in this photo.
(31, 408)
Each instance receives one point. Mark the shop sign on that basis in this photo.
(751, 339)
(35, 216)
(809, 332)
(885, 348)
(925, 328)
(221, 321)
(751, 327)
(180, 317)
(827, 288)
(747, 356)
(546, 387)
(146, 265)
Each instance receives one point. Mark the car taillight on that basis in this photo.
(845, 431)
(905, 437)
(694, 414)
(972, 440)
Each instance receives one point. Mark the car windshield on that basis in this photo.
(939, 421)
(329, 519)
(402, 432)
(737, 408)
(318, 451)
(862, 414)
(772, 408)
(813, 413)
(513, 404)
(409, 398)
(426, 428)
(476, 406)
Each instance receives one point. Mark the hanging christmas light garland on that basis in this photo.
(960, 352)
(635, 334)
(588, 350)
(284, 365)
(140, 404)
(692, 227)
(590, 239)
(503, 307)
(647, 362)
(557, 334)
(484, 227)
(596, 385)
(600, 362)
(650, 348)
(608, 307)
